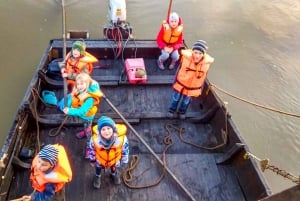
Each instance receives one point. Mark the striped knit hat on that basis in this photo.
(49, 153)
(200, 45)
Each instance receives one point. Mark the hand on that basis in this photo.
(62, 64)
(168, 49)
(26, 198)
(92, 164)
(66, 110)
(64, 74)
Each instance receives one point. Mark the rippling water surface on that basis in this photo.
(254, 43)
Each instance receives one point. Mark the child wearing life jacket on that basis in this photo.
(190, 78)
(169, 39)
(109, 148)
(77, 60)
(83, 102)
(50, 171)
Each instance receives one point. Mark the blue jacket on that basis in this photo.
(85, 107)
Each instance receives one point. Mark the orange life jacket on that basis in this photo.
(79, 64)
(191, 76)
(108, 158)
(78, 100)
(170, 35)
(60, 175)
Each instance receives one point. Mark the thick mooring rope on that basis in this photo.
(255, 104)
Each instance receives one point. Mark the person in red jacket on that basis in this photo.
(169, 39)
(109, 148)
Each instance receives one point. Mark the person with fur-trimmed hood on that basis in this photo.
(109, 148)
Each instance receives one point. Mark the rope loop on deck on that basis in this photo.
(58, 129)
(181, 131)
(127, 174)
(37, 97)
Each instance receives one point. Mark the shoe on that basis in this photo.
(182, 116)
(171, 114)
(97, 182)
(160, 65)
(116, 178)
(83, 133)
(172, 65)
(87, 154)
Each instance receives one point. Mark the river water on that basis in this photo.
(254, 43)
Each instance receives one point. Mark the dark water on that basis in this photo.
(254, 43)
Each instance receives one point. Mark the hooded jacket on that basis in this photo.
(170, 37)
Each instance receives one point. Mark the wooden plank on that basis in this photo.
(55, 119)
(290, 194)
(111, 80)
(229, 154)
(202, 177)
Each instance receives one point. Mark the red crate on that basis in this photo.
(132, 66)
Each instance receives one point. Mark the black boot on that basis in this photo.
(116, 178)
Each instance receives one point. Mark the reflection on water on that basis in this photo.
(254, 43)
(277, 19)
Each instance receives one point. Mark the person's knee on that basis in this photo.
(175, 55)
(164, 56)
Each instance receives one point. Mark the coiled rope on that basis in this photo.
(127, 174)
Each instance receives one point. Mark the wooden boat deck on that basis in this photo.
(195, 169)
(218, 174)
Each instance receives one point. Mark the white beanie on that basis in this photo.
(173, 17)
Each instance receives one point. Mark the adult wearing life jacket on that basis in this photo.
(109, 147)
(50, 171)
(83, 102)
(77, 60)
(169, 39)
(190, 78)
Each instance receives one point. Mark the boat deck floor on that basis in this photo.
(145, 107)
(195, 169)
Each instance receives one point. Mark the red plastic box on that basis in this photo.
(133, 67)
